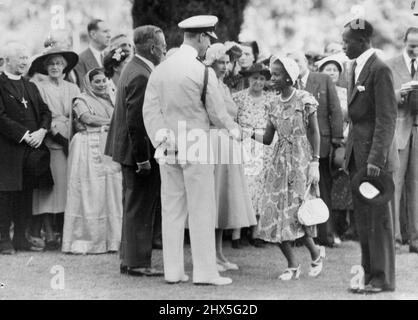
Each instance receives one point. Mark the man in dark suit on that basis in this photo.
(24, 121)
(372, 110)
(330, 120)
(404, 68)
(100, 36)
(129, 144)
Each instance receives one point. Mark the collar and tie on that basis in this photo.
(353, 73)
(102, 56)
(413, 69)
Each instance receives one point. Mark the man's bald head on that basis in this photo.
(16, 56)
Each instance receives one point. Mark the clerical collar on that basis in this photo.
(12, 76)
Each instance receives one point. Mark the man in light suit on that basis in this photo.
(404, 69)
(330, 120)
(100, 35)
(129, 145)
(372, 110)
(174, 99)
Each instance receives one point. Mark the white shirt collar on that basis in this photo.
(304, 79)
(362, 60)
(148, 62)
(12, 76)
(189, 49)
(97, 54)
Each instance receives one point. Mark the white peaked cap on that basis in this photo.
(198, 24)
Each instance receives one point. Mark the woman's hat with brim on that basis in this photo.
(338, 59)
(257, 68)
(38, 64)
(373, 191)
(289, 65)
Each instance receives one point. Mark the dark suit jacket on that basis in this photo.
(372, 115)
(128, 142)
(12, 132)
(86, 62)
(330, 116)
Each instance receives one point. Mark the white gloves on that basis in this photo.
(313, 173)
(236, 133)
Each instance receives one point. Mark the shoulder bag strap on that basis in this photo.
(205, 86)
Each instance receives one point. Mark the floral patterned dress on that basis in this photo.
(287, 175)
(254, 115)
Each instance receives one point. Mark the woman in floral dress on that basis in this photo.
(253, 105)
(294, 168)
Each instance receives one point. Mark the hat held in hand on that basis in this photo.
(373, 190)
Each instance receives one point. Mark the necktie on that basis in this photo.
(102, 55)
(353, 74)
(413, 70)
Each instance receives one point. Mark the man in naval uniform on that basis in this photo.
(174, 100)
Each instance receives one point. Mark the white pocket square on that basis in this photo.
(361, 88)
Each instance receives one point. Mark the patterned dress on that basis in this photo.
(287, 175)
(255, 116)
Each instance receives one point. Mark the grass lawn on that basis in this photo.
(28, 276)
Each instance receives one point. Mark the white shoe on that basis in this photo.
(184, 279)
(337, 241)
(220, 281)
(291, 273)
(318, 264)
(225, 266)
(220, 267)
(230, 266)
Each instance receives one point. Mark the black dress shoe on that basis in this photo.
(413, 249)
(236, 244)
(6, 248)
(26, 246)
(370, 289)
(141, 272)
(258, 243)
(356, 291)
(157, 245)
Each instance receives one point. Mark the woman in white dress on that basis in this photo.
(234, 208)
(93, 216)
(58, 94)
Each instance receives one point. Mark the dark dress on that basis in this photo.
(21, 110)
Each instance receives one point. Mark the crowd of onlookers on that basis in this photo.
(78, 201)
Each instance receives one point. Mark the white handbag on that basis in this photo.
(312, 211)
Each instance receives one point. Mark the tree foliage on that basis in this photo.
(286, 25)
(167, 15)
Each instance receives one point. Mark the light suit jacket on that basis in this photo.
(173, 99)
(405, 120)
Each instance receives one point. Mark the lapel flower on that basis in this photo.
(361, 88)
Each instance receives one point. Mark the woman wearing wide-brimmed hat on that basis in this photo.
(58, 94)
